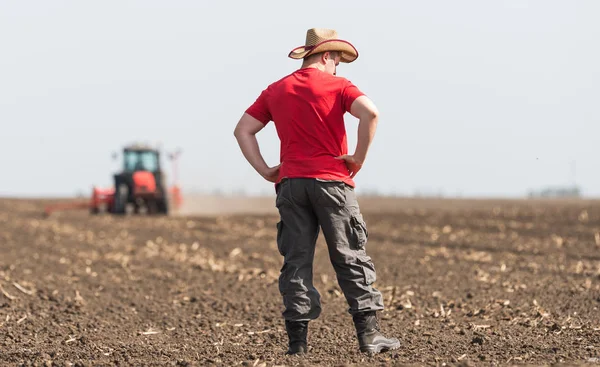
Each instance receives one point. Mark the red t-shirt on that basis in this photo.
(308, 108)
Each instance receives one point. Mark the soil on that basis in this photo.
(465, 283)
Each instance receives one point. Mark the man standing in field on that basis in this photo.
(315, 186)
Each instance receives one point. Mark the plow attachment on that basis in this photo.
(103, 201)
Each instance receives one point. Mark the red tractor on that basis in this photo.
(139, 187)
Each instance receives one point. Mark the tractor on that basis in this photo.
(141, 183)
(138, 187)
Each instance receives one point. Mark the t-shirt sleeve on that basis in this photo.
(349, 94)
(260, 108)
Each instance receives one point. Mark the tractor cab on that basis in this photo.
(141, 159)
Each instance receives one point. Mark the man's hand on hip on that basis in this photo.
(353, 164)
(271, 174)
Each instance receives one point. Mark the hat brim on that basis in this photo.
(349, 52)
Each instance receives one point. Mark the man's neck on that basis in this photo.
(313, 66)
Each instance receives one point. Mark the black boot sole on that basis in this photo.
(378, 348)
(300, 349)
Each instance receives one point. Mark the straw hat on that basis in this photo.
(321, 40)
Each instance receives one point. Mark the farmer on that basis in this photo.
(315, 187)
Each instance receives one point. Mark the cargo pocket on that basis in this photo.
(359, 228)
(367, 268)
(280, 237)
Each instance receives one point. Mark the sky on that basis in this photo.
(476, 98)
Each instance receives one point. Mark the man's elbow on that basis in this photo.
(243, 132)
(364, 109)
(240, 130)
(375, 114)
(372, 114)
(237, 132)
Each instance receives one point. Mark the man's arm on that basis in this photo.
(365, 110)
(245, 133)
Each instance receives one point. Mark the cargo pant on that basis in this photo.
(305, 206)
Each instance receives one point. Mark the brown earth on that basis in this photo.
(466, 282)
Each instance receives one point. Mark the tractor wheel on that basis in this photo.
(152, 207)
(120, 199)
(162, 206)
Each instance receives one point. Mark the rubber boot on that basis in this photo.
(297, 333)
(370, 338)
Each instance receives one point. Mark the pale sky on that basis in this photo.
(477, 98)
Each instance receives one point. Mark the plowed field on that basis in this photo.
(465, 282)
